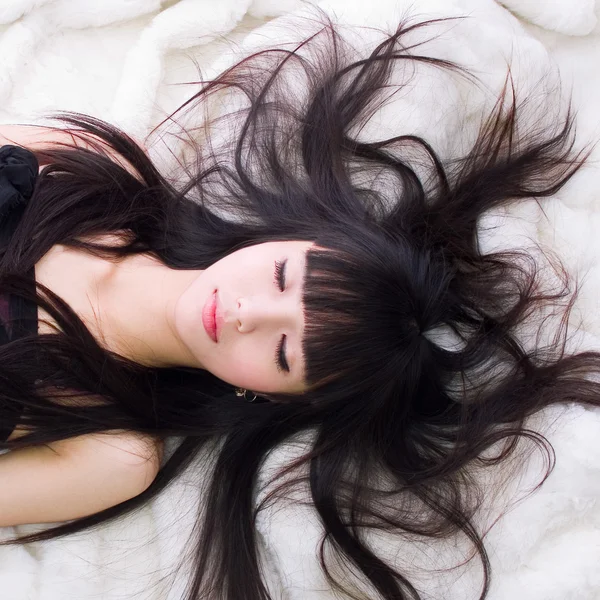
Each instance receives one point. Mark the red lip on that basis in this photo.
(209, 317)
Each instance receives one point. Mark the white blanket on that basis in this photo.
(119, 59)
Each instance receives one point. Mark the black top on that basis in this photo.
(18, 317)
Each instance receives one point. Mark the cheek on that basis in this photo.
(246, 366)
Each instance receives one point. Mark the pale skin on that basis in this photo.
(154, 315)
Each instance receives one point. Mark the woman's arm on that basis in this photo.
(75, 477)
(37, 137)
(34, 137)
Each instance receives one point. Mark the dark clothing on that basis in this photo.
(18, 317)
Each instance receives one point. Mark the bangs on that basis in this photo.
(359, 319)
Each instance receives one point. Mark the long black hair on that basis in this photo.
(395, 273)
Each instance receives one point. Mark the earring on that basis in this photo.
(241, 393)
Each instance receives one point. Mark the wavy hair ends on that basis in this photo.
(388, 273)
(390, 269)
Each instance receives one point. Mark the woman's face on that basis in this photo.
(242, 318)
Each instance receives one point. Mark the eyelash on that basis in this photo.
(280, 359)
(280, 274)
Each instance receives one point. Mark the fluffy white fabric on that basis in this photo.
(572, 17)
(118, 60)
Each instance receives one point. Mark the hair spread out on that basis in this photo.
(392, 266)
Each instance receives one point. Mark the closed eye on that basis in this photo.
(280, 357)
(280, 266)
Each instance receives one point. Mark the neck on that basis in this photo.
(137, 303)
(127, 306)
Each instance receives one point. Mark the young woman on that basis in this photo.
(283, 271)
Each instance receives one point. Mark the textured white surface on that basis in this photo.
(119, 59)
(564, 16)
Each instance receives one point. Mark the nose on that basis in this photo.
(259, 312)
